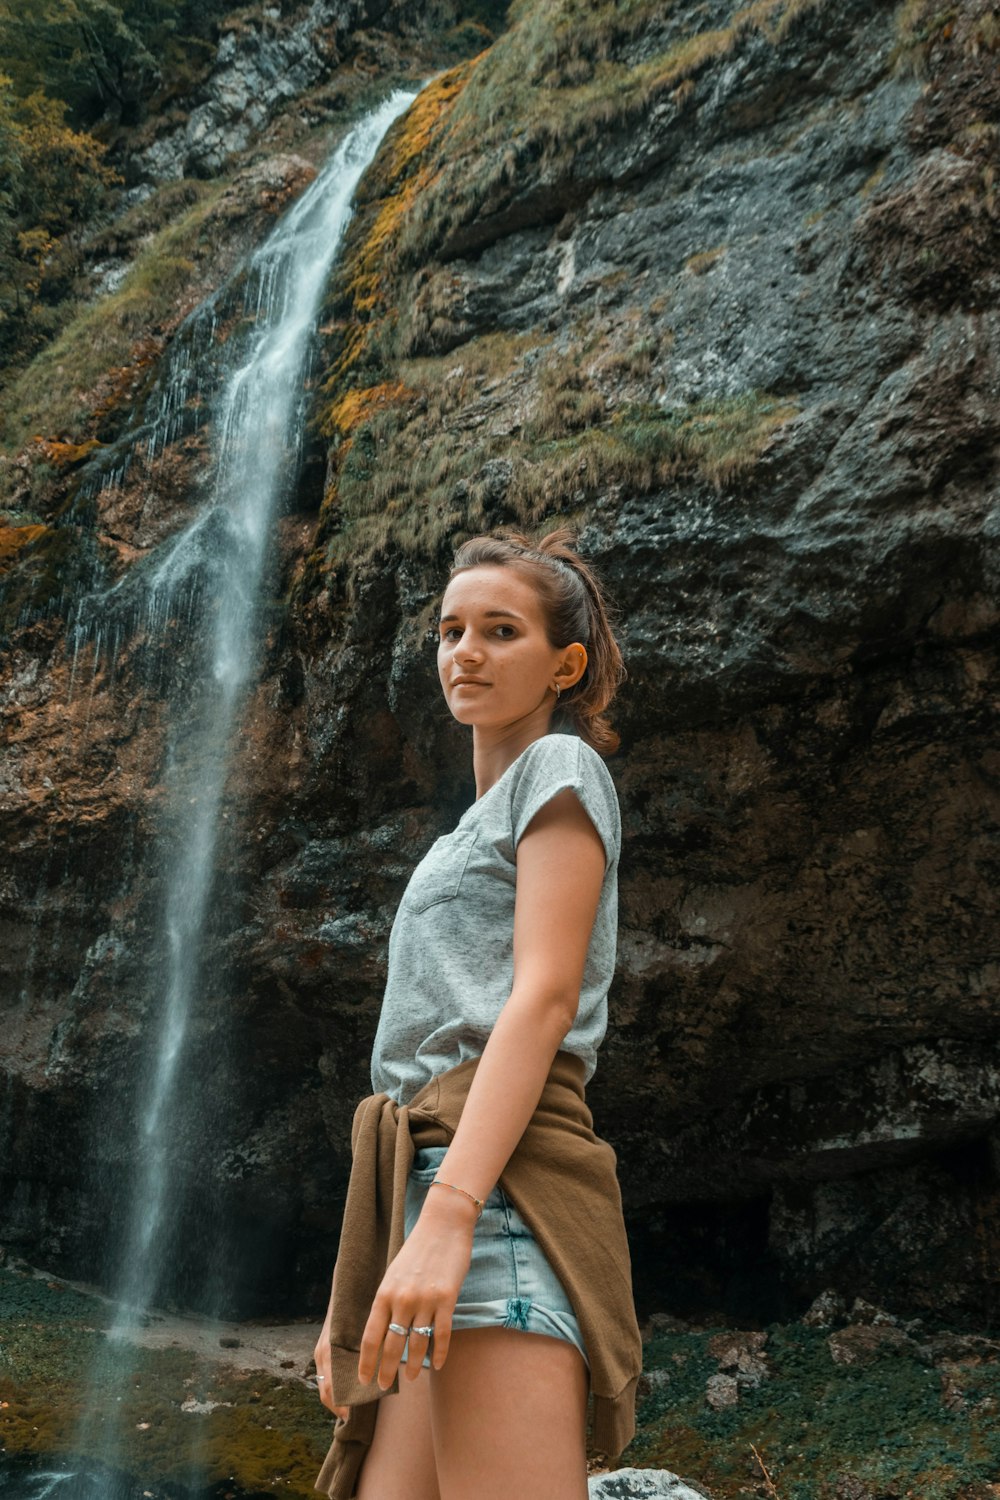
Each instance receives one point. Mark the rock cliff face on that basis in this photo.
(719, 284)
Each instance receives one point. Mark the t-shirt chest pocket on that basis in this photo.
(438, 877)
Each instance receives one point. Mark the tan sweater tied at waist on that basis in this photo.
(562, 1180)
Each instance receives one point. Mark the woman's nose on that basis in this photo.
(468, 648)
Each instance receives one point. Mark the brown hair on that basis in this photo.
(575, 609)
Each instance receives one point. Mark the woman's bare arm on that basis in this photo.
(560, 868)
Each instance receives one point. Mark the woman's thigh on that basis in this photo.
(508, 1414)
(399, 1465)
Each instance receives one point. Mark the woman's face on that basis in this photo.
(496, 664)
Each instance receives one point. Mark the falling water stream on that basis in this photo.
(213, 573)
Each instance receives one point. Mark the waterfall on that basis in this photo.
(208, 580)
(257, 427)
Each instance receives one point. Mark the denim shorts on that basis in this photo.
(510, 1283)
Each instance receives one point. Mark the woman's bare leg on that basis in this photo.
(509, 1414)
(399, 1465)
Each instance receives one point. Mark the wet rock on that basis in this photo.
(641, 1484)
(260, 66)
(959, 1348)
(194, 1407)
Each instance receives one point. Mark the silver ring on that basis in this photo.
(320, 1377)
(397, 1328)
(426, 1331)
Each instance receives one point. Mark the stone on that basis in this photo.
(825, 1309)
(862, 1344)
(642, 1484)
(850, 1487)
(742, 1365)
(866, 1312)
(958, 1348)
(721, 1391)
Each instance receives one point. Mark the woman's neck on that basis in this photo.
(495, 750)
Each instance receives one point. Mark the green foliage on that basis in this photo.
(54, 178)
(101, 58)
(70, 65)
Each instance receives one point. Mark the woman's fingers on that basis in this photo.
(421, 1342)
(321, 1359)
(377, 1332)
(442, 1336)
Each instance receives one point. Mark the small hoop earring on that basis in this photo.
(558, 691)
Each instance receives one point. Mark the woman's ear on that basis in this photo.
(571, 666)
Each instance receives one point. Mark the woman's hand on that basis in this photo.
(420, 1286)
(321, 1358)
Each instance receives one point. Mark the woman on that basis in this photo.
(495, 1004)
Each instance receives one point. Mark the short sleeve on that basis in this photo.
(553, 764)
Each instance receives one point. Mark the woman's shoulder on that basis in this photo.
(556, 761)
(565, 754)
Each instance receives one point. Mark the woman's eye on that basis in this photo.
(510, 632)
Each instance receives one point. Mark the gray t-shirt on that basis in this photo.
(451, 958)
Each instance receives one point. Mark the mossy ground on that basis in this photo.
(893, 1429)
(271, 1438)
(821, 1430)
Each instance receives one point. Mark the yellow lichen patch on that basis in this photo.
(404, 177)
(397, 180)
(423, 118)
(64, 455)
(13, 538)
(367, 280)
(357, 406)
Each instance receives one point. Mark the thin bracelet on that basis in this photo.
(438, 1182)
